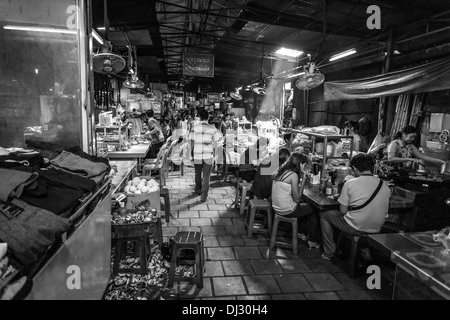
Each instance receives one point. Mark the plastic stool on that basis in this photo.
(191, 240)
(164, 193)
(241, 190)
(258, 205)
(276, 221)
(355, 246)
(121, 245)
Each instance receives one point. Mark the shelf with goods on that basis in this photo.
(326, 138)
(112, 135)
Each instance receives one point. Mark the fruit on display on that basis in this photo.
(141, 186)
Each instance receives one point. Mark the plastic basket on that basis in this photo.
(132, 230)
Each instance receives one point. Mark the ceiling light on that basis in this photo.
(97, 37)
(343, 54)
(295, 75)
(39, 29)
(289, 52)
(101, 28)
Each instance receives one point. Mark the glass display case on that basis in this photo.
(43, 73)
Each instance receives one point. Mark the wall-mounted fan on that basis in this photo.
(235, 95)
(107, 62)
(225, 97)
(311, 79)
(259, 88)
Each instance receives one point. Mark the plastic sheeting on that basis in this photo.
(427, 77)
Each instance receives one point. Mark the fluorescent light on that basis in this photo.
(39, 29)
(101, 28)
(343, 54)
(295, 75)
(97, 37)
(289, 52)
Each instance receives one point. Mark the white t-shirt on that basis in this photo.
(356, 192)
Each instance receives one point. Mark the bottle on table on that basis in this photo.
(335, 188)
(329, 187)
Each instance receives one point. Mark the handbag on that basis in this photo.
(380, 184)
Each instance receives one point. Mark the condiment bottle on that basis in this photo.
(329, 187)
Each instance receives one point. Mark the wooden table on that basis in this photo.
(314, 197)
(136, 152)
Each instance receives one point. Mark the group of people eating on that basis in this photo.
(280, 178)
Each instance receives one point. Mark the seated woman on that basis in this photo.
(402, 152)
(262, 185)
(286, 194)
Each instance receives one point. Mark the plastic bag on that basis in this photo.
(326, 130)
(381, 141)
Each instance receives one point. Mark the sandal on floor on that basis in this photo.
(302, 236)
(312, 244)
(327, 257)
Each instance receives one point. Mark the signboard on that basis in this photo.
(198, 65)
(213, 97)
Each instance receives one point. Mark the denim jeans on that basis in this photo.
(335, 218)
(202, 184)
(77, 164)
(14, 182)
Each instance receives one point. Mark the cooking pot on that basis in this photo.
(418, 166)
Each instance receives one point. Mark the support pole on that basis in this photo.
(388, 62)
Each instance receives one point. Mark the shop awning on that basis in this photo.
(425, 78)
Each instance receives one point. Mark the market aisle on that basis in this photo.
(242, 268)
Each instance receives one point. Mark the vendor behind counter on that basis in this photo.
(402, 153)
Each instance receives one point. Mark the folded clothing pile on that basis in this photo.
(74, 164)
(49, 189)
(10, 290)
(28, 230)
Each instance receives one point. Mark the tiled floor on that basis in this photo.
(239, 267)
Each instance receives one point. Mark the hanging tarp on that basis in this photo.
(425, 78)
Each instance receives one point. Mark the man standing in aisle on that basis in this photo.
(204, 138)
